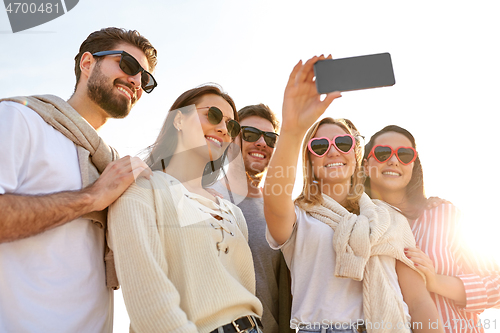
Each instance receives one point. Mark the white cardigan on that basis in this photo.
(181, 270)
(358, 242)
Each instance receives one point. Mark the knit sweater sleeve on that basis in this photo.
(481, 274)
(152, 301)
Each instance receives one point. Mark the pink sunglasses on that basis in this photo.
(320, 146)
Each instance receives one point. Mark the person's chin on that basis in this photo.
(256, 168)
(119, 113)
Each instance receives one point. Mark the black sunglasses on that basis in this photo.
(252, 134)
(130, 66)
(215, 116)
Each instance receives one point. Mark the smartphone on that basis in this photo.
(347, 74)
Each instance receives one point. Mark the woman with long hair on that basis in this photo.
(182, 254)
(461, 283)
(345, 252)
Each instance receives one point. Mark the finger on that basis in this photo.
(420, 259)
(140, 168)
(293, 74)
(125, 160)
(305, 70)
(137, 162)
(422, 253)
(332, 96)
(137, 166)
(127, 164)
(325, 103)
(422, 264)
(121, 166)
(413, 256)
(417, 256)
(118, 163)
(425, 270)
(412, 251)
(311, 73)
(417, 260)
(419, 268)
(137, 172)
(146, 173)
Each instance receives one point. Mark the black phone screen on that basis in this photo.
(346, 74)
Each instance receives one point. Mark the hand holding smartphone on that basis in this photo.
(355, 73)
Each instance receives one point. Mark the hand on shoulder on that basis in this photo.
(115, 180)
(433, 202)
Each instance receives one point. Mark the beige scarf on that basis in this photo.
(93, 153)
(358, 242)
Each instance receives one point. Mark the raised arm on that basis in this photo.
(302, 106)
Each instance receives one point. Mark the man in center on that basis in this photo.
(259, 127)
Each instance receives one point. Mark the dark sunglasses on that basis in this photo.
(405, 155)
(215, 116)
(130, 66)
(252, 134)
(321, 146)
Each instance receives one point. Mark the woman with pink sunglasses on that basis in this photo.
(344, 251)
(461, 284)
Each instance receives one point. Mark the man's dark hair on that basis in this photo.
(259, 110)
(107, 38)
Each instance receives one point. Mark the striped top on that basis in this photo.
(437, 233)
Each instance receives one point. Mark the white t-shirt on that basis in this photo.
(54, 281)
(318, 296)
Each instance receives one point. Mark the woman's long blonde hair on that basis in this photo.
(311, 192)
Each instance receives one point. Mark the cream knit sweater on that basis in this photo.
(181, 270)
(358, 242)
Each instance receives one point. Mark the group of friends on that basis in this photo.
(203, 233)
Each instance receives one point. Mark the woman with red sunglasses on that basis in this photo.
(344, 251)
(461, 284)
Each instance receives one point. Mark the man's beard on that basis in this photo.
(257, 173)
(101, 92)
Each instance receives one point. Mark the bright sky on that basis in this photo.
(445, 57)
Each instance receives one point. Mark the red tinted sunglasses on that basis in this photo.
(405, 155)
(320, 146)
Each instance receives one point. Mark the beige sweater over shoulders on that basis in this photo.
(181, 270)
